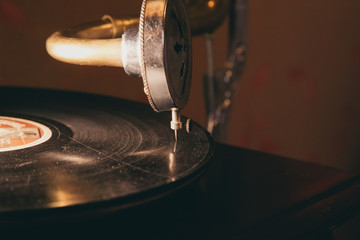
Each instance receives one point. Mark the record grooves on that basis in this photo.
(104, 154)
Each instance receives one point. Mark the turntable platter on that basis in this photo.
(66, 150)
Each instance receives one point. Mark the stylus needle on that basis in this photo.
(175, 123)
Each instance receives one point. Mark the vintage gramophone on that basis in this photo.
(93, 152)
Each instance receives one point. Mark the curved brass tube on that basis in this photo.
(99, 43)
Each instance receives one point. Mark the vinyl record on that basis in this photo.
(64, 152)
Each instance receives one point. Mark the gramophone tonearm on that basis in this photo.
(157, 48)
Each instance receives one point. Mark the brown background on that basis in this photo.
(298, 97)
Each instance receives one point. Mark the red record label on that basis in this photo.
(17, 133)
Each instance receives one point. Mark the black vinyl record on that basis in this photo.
(66, 152)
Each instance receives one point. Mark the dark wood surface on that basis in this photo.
(277, 197)
(243, 195)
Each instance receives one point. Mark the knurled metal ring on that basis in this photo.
(165, 53)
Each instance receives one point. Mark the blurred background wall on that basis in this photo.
(299, 96)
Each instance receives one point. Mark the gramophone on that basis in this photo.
(72, 152)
